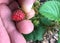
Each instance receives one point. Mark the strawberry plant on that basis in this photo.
(46, 22)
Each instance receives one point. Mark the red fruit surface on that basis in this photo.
(18, 15)
(25, 26)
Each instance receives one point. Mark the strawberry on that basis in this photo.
(18, 15)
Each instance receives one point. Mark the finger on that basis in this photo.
(17, 37)
(4, 1)
(4, 38)
(6, 16)
(30, 14)
(26, 5)
(25, 26)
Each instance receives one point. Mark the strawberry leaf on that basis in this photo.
(37, 34)
(53, 0)
(51, 10)
(29, 36)
(46, 21)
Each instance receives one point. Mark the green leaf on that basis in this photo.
(46, 21)
(51, 10)
(29, 36)
(53, 0)
(37, 34)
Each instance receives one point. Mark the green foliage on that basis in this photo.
(45, 15)
(37, 34)
(29, 36)
(53, 0)
(51, 10)
(36, 6)
(46, 21)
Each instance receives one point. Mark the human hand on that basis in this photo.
(9, 33)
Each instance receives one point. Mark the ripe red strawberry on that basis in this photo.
(18, 15)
